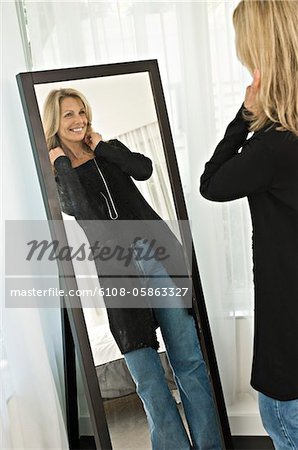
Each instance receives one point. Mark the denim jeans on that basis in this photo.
(167, 431)
(280, 420)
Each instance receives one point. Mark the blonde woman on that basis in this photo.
(94, 180)
(266, 171)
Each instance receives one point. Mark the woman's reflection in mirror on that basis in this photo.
(94, 180)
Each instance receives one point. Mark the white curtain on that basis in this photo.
(31, 365)
(204, 87)
(157, 190)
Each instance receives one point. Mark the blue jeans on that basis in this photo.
(280, 420)
(167, 431)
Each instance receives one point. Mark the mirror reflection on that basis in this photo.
(109, 165)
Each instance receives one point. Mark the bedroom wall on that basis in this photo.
(133, 90)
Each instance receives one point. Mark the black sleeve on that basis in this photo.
(133, 164)
(231, 174)
(75, 202)
(72, 195)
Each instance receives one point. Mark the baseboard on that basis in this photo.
(87, 443)
(239, 442)
(252, 443)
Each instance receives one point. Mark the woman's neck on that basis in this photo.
(75, 150)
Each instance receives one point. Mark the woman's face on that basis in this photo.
(73, 120)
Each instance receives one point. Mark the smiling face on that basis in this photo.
(73, 121)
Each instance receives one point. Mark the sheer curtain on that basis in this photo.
(204, 86)
(157, 190)
(31, 372)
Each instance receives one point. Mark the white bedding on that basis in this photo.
(104, 347)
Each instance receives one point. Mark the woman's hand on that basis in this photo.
(55, 153)
(92, 138)
(252, 91)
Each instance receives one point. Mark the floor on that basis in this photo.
(127, 418)
(128, 428)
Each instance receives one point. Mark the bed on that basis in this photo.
(113, 375)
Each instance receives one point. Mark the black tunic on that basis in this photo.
(266, 171)
(93, 198)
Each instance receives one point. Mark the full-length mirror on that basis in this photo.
(107, 167)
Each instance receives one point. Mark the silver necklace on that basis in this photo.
(112, 210)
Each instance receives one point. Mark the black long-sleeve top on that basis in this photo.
(266, 171)
(99, 191)
(94, 189)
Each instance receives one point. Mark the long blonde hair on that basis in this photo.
(267, 39)
(51, 113)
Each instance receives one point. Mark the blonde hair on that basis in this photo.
(267, 39)
(51, 113)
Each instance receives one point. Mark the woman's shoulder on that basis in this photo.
(274, 137)
(275, 131)
(279, 146)
(283, 146)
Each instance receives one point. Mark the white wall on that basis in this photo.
(119, 103)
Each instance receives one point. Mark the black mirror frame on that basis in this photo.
(75, 332)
